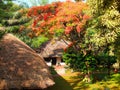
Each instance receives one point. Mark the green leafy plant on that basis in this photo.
(79, 61)
(37, 41)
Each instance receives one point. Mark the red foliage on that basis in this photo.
(86, 17)
(34, 23)
(78, 29)
(68, 29)
(45, 16)
(42, 24)
(60, 15)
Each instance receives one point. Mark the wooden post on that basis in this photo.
(58, 61)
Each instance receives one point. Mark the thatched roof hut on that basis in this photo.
(53, 49)
(21, 67)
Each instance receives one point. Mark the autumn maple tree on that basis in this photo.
(63, 19)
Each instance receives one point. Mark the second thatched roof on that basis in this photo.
(53, 48)
(21, 67)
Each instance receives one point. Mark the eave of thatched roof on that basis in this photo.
(21, 67)
(53, 48)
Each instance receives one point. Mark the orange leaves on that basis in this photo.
(86, 17)
(68, 29)
(67, 16)
(37, 10)
(34, 23)
(51, 31)
(33, 12)
(36, 31)
(42, 24)
(78, 29)
(45, 16)
(71, 8)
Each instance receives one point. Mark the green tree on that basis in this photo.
(106, 19)
(104, 27)
(14, 20)
(4, 14)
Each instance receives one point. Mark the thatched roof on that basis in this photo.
(53, 48)
(21, 67)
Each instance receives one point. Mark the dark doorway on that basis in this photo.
(49, 59)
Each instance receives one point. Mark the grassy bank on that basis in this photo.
(73, 81)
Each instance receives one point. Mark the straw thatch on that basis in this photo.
(21, 67)
(53, 48)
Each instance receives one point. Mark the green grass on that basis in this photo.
(61, 84)
(73, 81)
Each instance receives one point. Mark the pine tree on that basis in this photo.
(13, 19)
